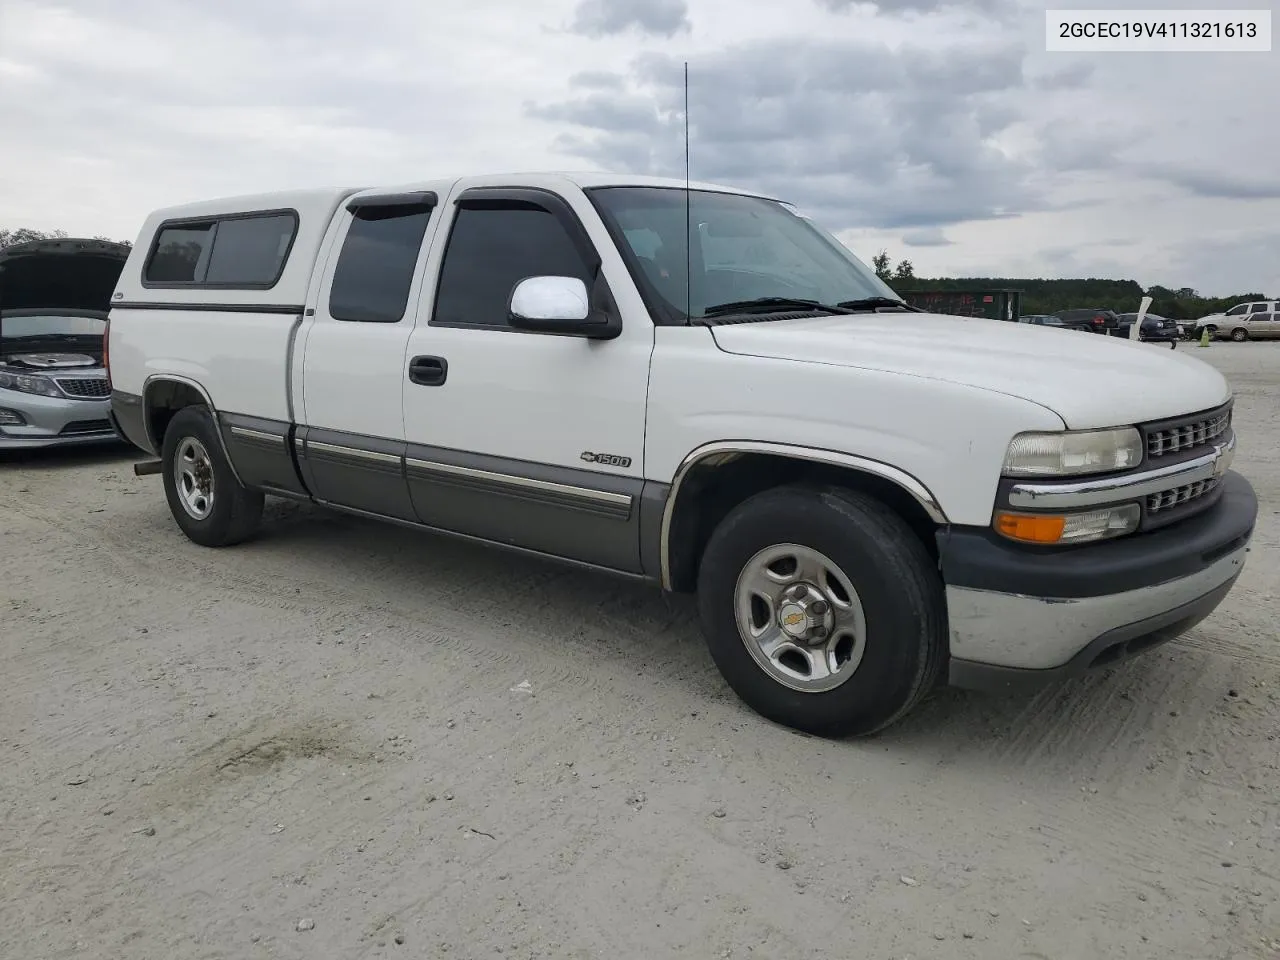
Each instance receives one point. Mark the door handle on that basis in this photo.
(428, 371)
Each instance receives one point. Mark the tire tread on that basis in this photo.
(902, 555)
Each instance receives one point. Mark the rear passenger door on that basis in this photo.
(1257, 320)
(529, 439)
(1267, 324)
(350, 446)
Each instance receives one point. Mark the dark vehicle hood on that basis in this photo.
(65, 274)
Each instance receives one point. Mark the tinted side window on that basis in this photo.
(181, 253)
(234, 251)
(250, 250)
(1236, 311)
(1258, 308)
(491, 249)
(375, 268)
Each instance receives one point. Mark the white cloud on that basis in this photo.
(890, 121)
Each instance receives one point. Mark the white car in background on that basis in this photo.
(1256, 320)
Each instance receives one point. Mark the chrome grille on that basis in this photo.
(85, 388)
(1195, 432)
(1168, 499)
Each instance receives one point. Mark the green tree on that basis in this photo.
(24, 234)
(880, 263)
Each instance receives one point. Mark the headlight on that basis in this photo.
(1073, 453)
(42, 386)
(1059, 529)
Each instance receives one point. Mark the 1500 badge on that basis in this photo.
(608, 459)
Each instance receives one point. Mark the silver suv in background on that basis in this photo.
(1257, 320)
(54, 297)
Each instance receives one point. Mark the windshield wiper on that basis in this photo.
(870, 303)
(772, 305)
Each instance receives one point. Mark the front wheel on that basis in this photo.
(207, 501)
(822, 610)
(1239, 335)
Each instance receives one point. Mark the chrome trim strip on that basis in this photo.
(501, 544)
(289, 361)
(1134, 486)
(250, 434)
(525, 483)
(358, 454)
(730, 448)
(158, 448)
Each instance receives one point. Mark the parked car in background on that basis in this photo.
(1259, 320)
(1155, 329)
(1098, 320)
(54, 297)
(1049, 320)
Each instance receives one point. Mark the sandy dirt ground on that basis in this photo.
(346, 740)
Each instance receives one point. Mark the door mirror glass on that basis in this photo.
(537, 301)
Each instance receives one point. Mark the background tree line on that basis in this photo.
(1049, 296)
(21, 235)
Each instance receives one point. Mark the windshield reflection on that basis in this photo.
(744, 248)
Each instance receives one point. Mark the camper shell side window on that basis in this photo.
(233, 251)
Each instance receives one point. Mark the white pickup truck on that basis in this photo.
(867, 499)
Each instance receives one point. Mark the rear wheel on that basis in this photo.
(822, 610)
(1239, 334)
(207, 501)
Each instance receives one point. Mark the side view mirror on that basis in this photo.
(557, 305)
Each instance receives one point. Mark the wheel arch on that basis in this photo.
(717, 476)
(163, 396)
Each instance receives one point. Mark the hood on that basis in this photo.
(1088, 379)
(63, 274)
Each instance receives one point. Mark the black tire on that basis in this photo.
(1239, 335)
(234, 512)
(895, 580)
(1213, 332)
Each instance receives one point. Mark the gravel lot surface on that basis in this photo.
(346, 740)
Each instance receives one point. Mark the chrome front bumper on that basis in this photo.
(1045, 634)
(1020, 618)
(53, 421)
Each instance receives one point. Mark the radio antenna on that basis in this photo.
(688, 215)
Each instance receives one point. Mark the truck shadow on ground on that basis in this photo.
(598, 619)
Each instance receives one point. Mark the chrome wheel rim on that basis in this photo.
(193, 475)
(800, 618)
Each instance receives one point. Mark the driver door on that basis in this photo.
(529, 439)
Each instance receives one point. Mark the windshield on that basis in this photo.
(744, 248)
(28, 327)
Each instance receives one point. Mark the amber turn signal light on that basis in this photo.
(1031, 528)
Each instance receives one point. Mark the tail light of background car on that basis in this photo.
(106, 350)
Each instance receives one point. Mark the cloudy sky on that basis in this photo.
(940, 130)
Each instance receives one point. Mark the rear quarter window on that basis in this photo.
(375, 268)
(238, 251)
